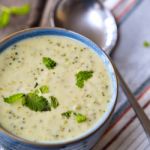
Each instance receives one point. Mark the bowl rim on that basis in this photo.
(72, 141)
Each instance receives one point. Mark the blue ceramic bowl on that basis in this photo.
(85, 141)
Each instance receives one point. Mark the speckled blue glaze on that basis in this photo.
(84, 143)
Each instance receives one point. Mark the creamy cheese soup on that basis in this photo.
(52, 88)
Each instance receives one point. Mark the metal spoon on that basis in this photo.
(83, 17)
(93, 20)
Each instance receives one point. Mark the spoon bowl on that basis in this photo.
(86, 18)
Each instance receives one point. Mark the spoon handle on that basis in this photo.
(137, 108)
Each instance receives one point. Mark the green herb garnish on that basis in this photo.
(36, 103)
(67, 114)
(49, 63)
(80, 118)
(44, 89)
(83, 76)
(22, 10)
(4, 17)
(14, 98)
(37, 91)
(6, 12)
(54, 102)
(146, 44)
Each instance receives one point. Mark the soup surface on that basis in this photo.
(52, 88)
